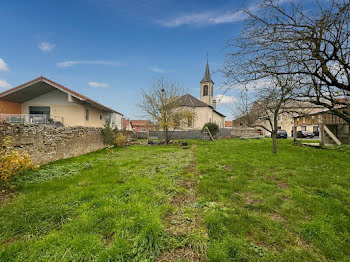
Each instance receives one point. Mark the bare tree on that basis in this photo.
(161, 104)
(286, 38)
(262, 106)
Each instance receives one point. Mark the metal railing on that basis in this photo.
(31, 119)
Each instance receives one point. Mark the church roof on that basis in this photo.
(188, 100)
(207, 77)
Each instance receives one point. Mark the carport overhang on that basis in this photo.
(40, 86)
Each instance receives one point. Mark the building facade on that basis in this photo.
(42, 101)
(204, 110)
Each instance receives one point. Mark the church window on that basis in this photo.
(189, 122)
(205, 90)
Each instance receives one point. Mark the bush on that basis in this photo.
(13, 163)
(120, 141)
(109, 135)
(213, 128)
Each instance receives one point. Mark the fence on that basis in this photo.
(31, 119)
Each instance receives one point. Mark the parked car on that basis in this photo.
(282, 134)
(316, 133)
(305, 134)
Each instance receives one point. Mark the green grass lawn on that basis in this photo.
(228, 200)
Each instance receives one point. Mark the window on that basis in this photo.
(205, 90)
(143, 129)
(279, 128)
(101, 117)
(303, 128)
(315, 128)
(189, 122)
(87, 114)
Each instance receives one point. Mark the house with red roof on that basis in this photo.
(139, 126)
(43, 101)
(228, 124)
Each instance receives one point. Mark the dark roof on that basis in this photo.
(207, 77)
(188, 100)
(42, 85)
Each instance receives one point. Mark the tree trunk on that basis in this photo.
(274, 142)
(274, 136)
(166, 136)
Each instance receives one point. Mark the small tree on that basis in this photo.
(213, 128)
(262, 105)
(161, 103)
(109, 134)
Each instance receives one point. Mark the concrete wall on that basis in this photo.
(116, 121)
(9, 107)
(73, 113)
(45, 144)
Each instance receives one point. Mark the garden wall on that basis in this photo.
(190, 134)
(45, 143)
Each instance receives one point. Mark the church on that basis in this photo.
(205, 108)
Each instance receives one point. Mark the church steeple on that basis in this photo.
(207, 77)
(207, 88)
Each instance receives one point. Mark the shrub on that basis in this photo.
(13, 163)
(120, 141)
(109, 135)
(213, 128)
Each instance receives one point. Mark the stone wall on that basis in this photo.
(45, 143)
(243, 131)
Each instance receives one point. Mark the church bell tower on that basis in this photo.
(207, 86)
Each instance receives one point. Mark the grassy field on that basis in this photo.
(228, 200)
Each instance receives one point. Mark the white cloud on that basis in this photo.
(3, 66)
(45, 46)
(222, 99)
(4, 84)
(96, 84)
(205, 18)
(87, 62)
(158, 69)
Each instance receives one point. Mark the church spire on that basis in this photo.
(207, 77)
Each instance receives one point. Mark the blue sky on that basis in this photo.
(109, 49)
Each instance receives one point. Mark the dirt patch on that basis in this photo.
(276, 217)
(10, 240)
(250, 200)
(279, 183)
(181, 199)
(227, 167)
(185, 219)
(108, 239)
(180, 254)
(6, 193)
